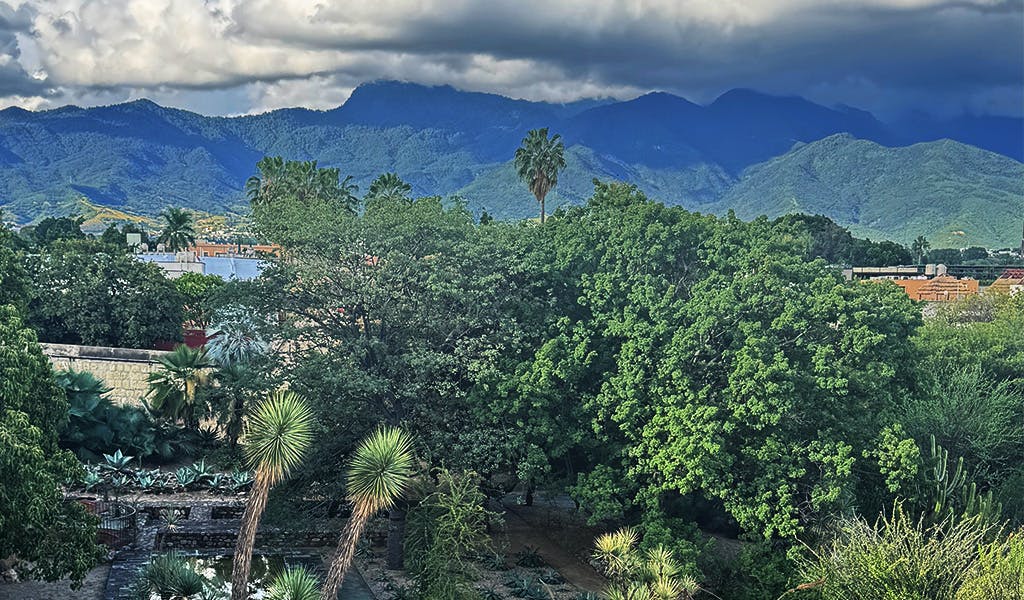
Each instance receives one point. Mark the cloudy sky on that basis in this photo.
(240, 56)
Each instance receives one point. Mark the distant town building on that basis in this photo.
(1010, 282)
(176, 264)
(204, 249)
(926, 283)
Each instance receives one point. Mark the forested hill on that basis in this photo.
(745, 149)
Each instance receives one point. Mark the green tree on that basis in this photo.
(538, 161)
(920, 248)
(288, 192)
(388, 187)
(179, 230)
(173, 389)
(277, 435)
(85, 293)
(115, 236)
(196, 289)
(36, 524)
(378, 475)
(51, 229)
(14, 280)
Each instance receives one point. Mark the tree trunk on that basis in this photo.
(247, 536)
(346, 551)
(396, 537)
(541, 209)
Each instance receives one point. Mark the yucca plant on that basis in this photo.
(653, 574)
(275, 438)
(378, 475)
(295, 583)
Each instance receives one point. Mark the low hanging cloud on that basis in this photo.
(234, 56)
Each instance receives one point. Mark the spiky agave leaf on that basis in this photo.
(295, 583)
(380, 469)
(277, 434)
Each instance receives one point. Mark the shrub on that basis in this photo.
(999, 574)
(898, 557)
(444, 530)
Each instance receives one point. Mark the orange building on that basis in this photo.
(938, 289)
(1010, 282)
(202, 249)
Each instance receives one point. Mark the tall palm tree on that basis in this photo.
(389, 186)
(179, 232)
(920, 248)
(276, 436)
(378, 474)
(302, 181)
(538, 161)
(173, 389)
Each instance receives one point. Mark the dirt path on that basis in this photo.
(92, 588)
(528, 526)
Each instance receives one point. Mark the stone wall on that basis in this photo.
(123, 369)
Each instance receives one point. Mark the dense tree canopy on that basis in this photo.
(84, 292)
(36, 523)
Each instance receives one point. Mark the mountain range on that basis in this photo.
(957, 181)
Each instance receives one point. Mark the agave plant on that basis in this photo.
(185, 477)
(91, 479)
(216, 482)
(117, 462)
(144, 480)
(201, 470)
(295, 583)
(170, 576)
(240, 480)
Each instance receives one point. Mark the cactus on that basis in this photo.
(951, 495)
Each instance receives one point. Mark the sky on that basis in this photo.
(229, 57)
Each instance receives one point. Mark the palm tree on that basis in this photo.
(920, 248)
(302, 181)
(172, 389)
(538, 161)
(179, 232)
(378, 474)
(276, 436)
(234, 337)
(389, 186)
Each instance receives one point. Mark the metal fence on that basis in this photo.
(118, 522)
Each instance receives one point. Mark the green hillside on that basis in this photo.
(954, 194)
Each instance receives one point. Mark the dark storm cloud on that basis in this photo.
(884, 55)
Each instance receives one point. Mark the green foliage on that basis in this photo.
(999, 573)
(178, 231)
(174, 389)
(445, 529)
(196, 291)
(51, 229)
(171, 576)
(538, 161)
(636, 573)
(96, 425)
(899, 557)
(235, 337)
(278, 433)
(380, 469)
(56, 537)
(14, 279)
(83, 293)
(388, 186)
(294, 583)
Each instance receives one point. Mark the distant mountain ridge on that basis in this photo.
(140, 157)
